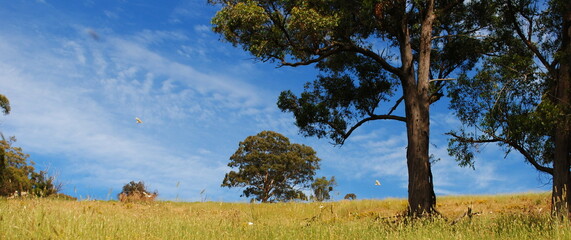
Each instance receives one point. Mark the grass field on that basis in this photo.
(523, 216)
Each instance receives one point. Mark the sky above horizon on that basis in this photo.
(78, 73)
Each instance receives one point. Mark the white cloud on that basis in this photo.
(202, 28)
(149, 37)
(110, 14)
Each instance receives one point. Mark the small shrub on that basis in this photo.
(350, 196)
(61, 196)
(136, 192)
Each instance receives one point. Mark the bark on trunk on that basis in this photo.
(561, 196)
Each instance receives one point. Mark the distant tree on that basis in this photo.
(4, 104)
(271, 168)
(350, 196)
(16, 169)
(520, 96)
(322, 187)
(367, 51)
(44, 185)
(17, 173)
(136, 191)
(133, 187)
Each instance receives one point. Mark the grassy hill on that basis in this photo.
(521, 216)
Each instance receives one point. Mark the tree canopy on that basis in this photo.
(271, 169)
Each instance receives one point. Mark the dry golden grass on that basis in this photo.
(523, 216)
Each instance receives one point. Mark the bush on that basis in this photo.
(350, 196)
(136, 192)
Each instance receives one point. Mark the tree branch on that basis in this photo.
(441, 79)
(519, 148)
(383, 62)
(526, 41)
(396, 105)
(325, 52)
(459, 35)
(530, 159)
(322, 53)
(371, 118)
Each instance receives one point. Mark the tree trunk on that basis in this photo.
(561, 196)
(421, 197)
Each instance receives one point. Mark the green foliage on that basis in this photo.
(330, 104)
(259, 26)
(4, 104)
(270, 168)
(17, 173)
(322, 187)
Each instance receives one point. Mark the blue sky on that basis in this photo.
(77, 74)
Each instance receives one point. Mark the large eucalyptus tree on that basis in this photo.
(367, 52)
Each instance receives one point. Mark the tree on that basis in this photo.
(358, 46)
(322, 187)
(4, 104)
(271, 168)
(17, 173)
(44, 185)
(15, 169)
(520, 97)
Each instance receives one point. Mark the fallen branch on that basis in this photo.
(468, 214)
